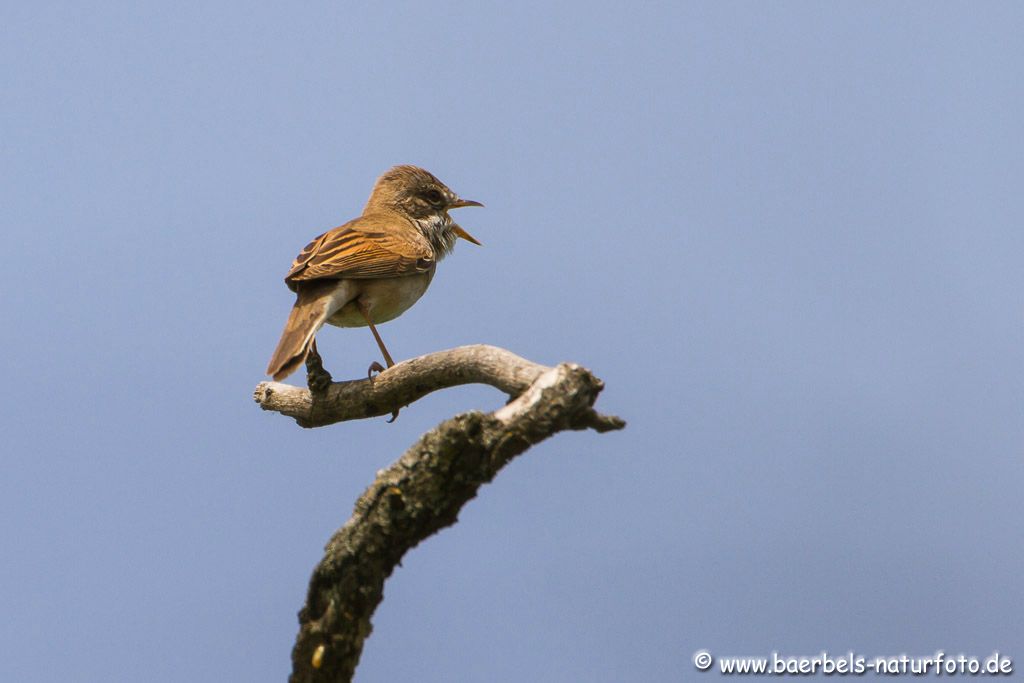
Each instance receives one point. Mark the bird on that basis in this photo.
(369, 270)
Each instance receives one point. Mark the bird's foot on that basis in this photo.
(317, 378)
(318, 382)
(378, 368)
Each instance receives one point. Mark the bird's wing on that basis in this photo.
(363, 249)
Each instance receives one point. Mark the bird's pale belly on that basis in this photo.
(386, 299)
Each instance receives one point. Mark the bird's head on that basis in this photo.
(416, 193)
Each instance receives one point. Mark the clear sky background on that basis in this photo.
(788, 236)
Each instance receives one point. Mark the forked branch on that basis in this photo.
(424, 490)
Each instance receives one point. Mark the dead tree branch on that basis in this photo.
(424, 490)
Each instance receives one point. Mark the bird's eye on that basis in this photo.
(434, 197)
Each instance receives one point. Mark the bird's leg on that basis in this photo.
(317, 379)
(380, 342)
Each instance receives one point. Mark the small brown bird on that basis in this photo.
(372, 269)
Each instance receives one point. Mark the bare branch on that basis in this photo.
(426, 488)
(400, 385)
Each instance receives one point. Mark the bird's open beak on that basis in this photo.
(459, 203)
(457, 229)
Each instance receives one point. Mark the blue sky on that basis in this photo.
(787, 236)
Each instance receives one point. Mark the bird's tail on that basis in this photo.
(308, 314)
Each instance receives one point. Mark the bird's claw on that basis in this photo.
(318, 382)
(317, 379)
(378, 368)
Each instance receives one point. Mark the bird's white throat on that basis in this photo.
(437, 228)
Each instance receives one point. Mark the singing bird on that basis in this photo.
(371, 269)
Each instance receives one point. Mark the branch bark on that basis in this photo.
(424, 490)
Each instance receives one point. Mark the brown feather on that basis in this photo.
(312, 306)
(370, 247)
